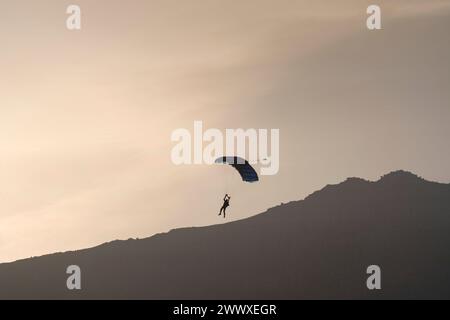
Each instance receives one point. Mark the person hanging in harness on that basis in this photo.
(226, 204)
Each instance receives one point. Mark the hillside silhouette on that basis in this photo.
(318, 247)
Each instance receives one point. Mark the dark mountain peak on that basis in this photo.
(401, 176)
(354, 188)
(356, 180)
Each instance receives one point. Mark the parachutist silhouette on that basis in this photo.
(226, 203)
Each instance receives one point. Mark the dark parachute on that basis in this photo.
(248, 174)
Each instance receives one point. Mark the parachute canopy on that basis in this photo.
(248, 174)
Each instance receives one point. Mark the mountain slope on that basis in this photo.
(319, 247)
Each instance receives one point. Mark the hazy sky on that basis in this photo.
(86, 116)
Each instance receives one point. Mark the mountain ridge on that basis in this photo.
(317, 247)
(402, 174)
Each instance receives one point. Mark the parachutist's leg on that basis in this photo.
(224, 212)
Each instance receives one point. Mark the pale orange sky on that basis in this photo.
(86, 116)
